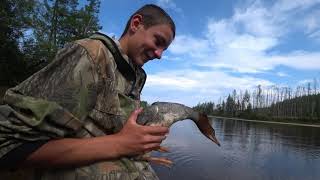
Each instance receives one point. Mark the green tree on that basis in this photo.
(32, 31)
(230, 105)
(60, 21)
(144, 104)
(15, 19)
(245, 100)
(206, 107)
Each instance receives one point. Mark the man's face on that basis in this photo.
(149, 43)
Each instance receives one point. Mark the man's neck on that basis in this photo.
(123, 43)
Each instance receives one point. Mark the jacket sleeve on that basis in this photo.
(50, 104)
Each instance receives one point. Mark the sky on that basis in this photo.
(221, 45)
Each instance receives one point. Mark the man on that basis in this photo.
(71, 120)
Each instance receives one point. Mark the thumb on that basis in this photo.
(134, 115)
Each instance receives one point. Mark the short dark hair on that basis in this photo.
(152, 15)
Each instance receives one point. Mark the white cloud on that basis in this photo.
(256, 20)
(282, 74)
(252, 43)
(171, 81)
(299, 60)
(294, 5)
(241, 43)
(312, 25)
(315, 35)
(169, 4)
(312, 22)
(195, 85)
(304, 82)
(194, 47)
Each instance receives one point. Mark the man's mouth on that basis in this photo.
(148, 56)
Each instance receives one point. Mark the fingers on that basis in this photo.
(137, 139)
(134, 115)
(150, 147)
(152, 143)
(160, 160)
(163, 149)
(154, 139)
(156, 130)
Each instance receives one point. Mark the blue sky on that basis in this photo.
(223, 45)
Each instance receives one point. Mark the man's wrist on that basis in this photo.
(117, 148)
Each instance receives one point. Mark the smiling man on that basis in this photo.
(146, 43)
(76, 118)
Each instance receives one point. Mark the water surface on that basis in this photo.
(249, 151)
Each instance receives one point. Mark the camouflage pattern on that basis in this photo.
(80, 94)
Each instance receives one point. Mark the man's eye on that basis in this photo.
(157, 42)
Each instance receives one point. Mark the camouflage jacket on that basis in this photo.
(80, 94)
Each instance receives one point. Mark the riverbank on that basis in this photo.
(270, 122)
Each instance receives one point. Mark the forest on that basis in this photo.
(32, 31)
(300, 104)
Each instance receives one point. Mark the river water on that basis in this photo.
(249, 151)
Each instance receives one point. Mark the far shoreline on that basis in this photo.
(270, 122)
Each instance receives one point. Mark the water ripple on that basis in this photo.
(249, 151)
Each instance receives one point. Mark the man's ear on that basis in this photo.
(136, 22)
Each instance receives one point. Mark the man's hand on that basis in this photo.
(134, 139)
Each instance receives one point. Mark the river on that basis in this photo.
(249, 151)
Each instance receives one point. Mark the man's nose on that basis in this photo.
(158, 53)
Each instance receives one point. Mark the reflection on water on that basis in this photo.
(249, 151)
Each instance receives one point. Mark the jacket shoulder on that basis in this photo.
(96, 50)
